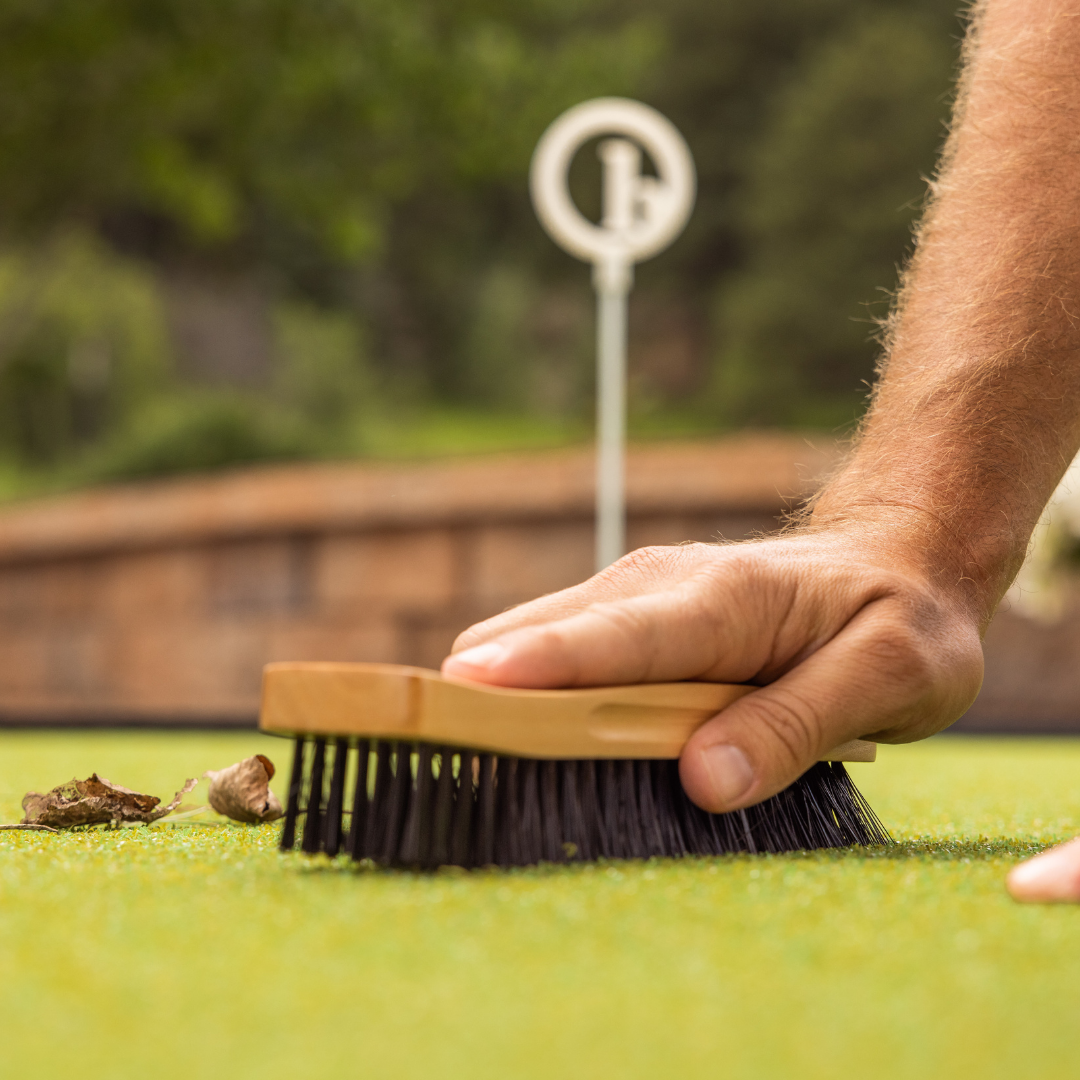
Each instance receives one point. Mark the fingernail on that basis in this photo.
(730, 772)
(487, 655)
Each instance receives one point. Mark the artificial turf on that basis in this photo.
(198, 951)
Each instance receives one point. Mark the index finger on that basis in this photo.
(683, 632)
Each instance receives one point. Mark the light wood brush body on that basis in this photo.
(646, 720)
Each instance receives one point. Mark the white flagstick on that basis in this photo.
(612, 281)
(642, 215)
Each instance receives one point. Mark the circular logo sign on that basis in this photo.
(642, 214)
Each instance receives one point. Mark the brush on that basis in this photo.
(406, 768)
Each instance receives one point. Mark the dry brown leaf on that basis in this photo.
(242, 791)
(94, 801)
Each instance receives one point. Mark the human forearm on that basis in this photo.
(977, 413)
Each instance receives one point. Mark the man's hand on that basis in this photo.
(846, 637)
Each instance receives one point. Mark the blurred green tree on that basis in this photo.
(82, 343)
(364, 163)
(831, 188)
(349, 154)
(237, 131)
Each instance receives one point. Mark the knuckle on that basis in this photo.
(902, 650)
(551, 640)
(661, 563)
(748, 568)
(649, 563)
(927, 661)
(475, 635)
(630, 636)
(627, 622)
(751, 592)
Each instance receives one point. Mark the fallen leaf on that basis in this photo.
(94, 801)
(242, 791)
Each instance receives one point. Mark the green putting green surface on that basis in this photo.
(198, 951)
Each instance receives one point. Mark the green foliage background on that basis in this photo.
(362, 165)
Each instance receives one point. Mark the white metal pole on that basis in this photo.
(612, 287)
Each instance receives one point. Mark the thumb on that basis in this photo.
(756, 747)
(766, 740)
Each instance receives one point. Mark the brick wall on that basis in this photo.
(1032, 678)
(162, 602)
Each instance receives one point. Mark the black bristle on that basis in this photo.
(397, 798)
(671, 833)
(551, 823)
(768, 822)
(292, 804)
(359, 816)
(813, 821)
(335, 801)
(609, 809)
(748, 835)
(652, 837)
(695, 824)
(378, 804)
(858, 821)
(464, 809)
(507, 831)
(629, 811)
(530, 834)
(312, 839)
(485, 812)
(591, 810)
(461, 831)
(834, 800)
(439, 852)
(416, 836)
(575, 834)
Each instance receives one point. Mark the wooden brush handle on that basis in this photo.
(646, 720)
